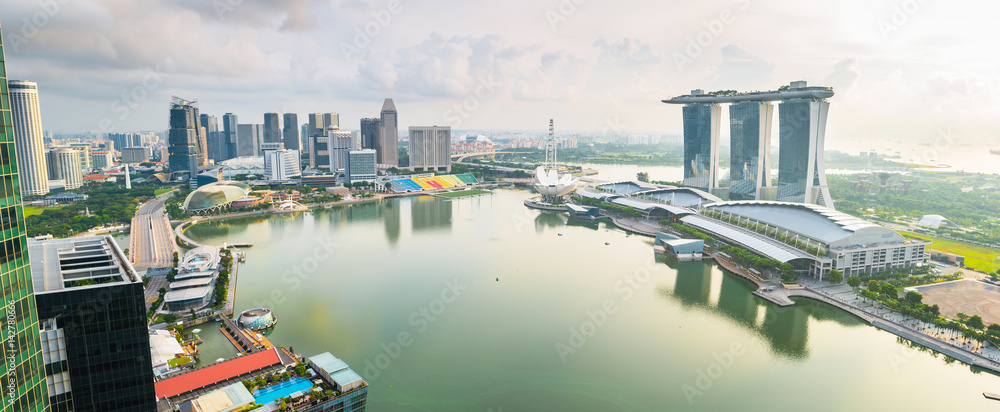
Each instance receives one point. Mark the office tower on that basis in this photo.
(201, 144)
(370, 128)
(340, 142)
(24, 368)
(801, 171)
(101, 159)
(316, 124)
(123, 140)
(291, 131)
(29, 141)
(272, 130)
(701, 145)
(230, 136)
(183, 137)
(281, 165)
(304, 138)
(64, 164)
(216, 142)
(249, 139)
(331, 119)
(430, 147)
(750, 149)
(360, 166)
(388, 142)
(92, 314)
(135, 155)
(84, 149)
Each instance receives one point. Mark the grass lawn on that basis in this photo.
(976, 257)
(162, 190)
(32, 210)
(463, 193)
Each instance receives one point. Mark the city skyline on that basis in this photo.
(600, 77)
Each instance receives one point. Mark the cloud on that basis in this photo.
(843, 76)
(740, 69)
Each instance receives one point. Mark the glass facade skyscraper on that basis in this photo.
(750, 143)
(370, 133)
(701, 145)
(272, 130)
(183, 137)
(291, 131)
(22, 374)
(801, 172)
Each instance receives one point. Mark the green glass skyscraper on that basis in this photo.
(21, 375)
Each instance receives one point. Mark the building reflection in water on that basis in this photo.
(429, 213)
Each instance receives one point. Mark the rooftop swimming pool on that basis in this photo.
(281, 390)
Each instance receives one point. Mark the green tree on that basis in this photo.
(914, 297)
(975, 322)
(170, 318)
(854, 281)
(890, 290)
(834, 277)
(642, 176)
(873, 285)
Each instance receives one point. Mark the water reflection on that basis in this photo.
(785, 329)
(430, 214)
(552, 220)
(389, 211)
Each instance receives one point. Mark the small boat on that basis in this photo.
(995, 151)
(607, 243)
(220, 360)
(560, 233)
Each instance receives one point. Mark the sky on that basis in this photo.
(903, 71)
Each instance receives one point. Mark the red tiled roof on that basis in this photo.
(95, 177)
(215, 373)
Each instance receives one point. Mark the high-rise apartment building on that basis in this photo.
(22, 371)
(92, 314)
(64, 164)
(291, 131)
(430, 147)
(370, 128)
(29, 141)
(101, 159)
(183, 137)
(388, 142)
(124, 140)
(272, 129)
(84, 149)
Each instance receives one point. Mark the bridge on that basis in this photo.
(461, 157)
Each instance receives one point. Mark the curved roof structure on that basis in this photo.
(936, 221)
(215, 195)
(681, 196)
(549, 183)
(836, 229)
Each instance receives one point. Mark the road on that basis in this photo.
(152, 239)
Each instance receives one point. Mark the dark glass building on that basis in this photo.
(801, 172)
(750, 142)
(93, 325)
(230, 135)
(701, 145)
(22, 372)
(370, 129)
(291, 131)
(183, 137)
(272, 130)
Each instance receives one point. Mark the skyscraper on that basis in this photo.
(22, 371)
(84, 149)
(370, 128)
(331, 119)
(304, 138)
(183, 138)
(801, 172)
(272, 129)
(388, 143)
(216, 142)
(92, 314)
(249, 137)
(291, 131)
(430, 147)
(125, 140)
(750, 149)
(30, 144)
(701, 145)
(230, 135)
(340, 142)
(64, 164)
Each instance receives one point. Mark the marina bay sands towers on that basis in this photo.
(802, 113)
